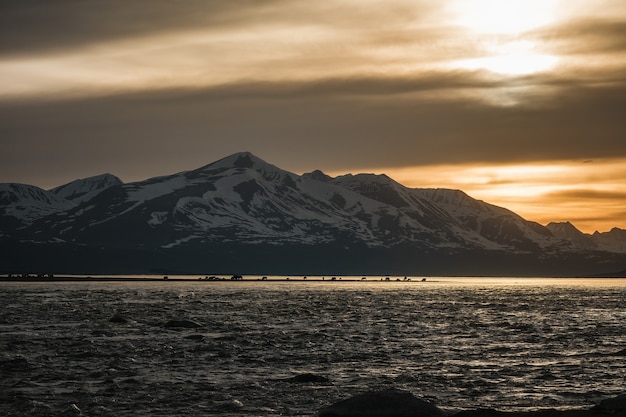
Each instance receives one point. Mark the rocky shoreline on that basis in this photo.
(397, 403)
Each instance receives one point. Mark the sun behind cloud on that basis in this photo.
(498, 30)
(518, 57)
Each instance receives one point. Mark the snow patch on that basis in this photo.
(179, 241)
(157, 218)
(146, 192)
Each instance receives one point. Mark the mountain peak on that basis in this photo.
(318, 176)
(85, 188)
(369, 177)
(378, 187)
(244, 160)
(567, 231)
(561, 228)
(238, 160)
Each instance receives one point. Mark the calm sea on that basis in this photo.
(463, 343)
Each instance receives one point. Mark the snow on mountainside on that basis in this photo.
(493, 223)
(264, 203)
(612, 241)
(243, 198)
(421, 210)
(468, 219)
(21, 204)
(26, 203)
(86, 188)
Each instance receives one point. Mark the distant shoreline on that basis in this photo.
(203, 279)
(49, 278)
(85, 278)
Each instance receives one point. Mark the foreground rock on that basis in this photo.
(613, 405)
(610, 407)
(396, 403)
(119, 318)
(538, 413)
(388, 403)
(184, 324)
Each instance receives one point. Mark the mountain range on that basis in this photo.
(243, 215)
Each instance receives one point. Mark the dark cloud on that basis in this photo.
(586, 36)
(34, 26)
(586, 194)
(333, 88)
(603, 222)
(41, 26)
(335, 124)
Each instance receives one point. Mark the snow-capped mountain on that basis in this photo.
(243, 213)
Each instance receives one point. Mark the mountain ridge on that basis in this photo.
(243, 213)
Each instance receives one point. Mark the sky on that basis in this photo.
(520, 103)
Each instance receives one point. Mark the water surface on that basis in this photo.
(463, 343)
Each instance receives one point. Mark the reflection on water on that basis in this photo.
(463, 343)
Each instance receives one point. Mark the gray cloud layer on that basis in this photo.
(331, 124)
(28, 26)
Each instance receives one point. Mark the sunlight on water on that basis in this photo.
(362, 279)
(199, 347)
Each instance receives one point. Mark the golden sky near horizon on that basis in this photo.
(520, 103)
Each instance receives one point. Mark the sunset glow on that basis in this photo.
(543, 192)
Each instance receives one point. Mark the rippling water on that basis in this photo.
(462, 343)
